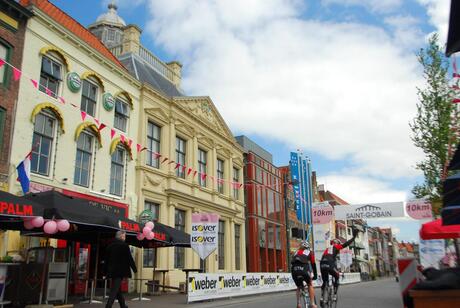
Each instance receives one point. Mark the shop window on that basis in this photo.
(117, 171)
(42, 143)
(236, 179)
(237, 247)
(220, 176)
(50, 76)
(221, 245)
(89, 97)
(121, 115)
(202, 169)
(180, 156)
(179, 252)
(153, 143)
(4, 55)
(83, 160)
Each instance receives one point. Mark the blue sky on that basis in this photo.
(334, 78)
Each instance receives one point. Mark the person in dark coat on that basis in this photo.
(118, 265)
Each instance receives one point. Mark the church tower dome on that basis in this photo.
(109, 27)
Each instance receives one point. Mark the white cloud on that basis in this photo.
(380, 6)
(358, 190)
(438, 11)
(344, 90)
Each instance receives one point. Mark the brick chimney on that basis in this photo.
(131, 39)
(176, 67)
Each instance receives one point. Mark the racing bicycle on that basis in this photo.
(305, 301)
(328, 294)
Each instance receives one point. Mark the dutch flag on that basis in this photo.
(24, 173)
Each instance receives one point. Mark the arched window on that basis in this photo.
(50, 75)
(89, 95)
(84, 158)
(42, 143)
(117, 171)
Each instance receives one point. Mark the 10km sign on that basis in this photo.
(203, 238)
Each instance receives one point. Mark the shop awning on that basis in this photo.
(435, 230)
(90, 223)
(453, 37)
(451, 200)
(13, 210)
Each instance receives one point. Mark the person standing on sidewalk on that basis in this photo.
(118, 265)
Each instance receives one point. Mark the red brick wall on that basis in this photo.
(9, 91)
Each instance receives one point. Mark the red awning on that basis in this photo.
(435, 230)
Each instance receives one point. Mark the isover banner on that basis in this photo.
(203, 238)
(369, 211)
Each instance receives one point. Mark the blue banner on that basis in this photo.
(295, 179)
(306, 192)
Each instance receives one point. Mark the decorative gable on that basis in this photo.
(204, 109)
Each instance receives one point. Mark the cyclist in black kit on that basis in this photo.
(328, 264)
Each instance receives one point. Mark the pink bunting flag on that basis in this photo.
(34, 83)
(183, 168)
(203, 176)
(130, 142)
(97, 121)
(102, 126)
(138, 147)
(189, 170)
(16, 74)
(112, 133)
(177, 166)
(156, 155)
(164, 160)
(48, 92)
(2, 62)
(194, 173)
(83, 115)
(122, 138)
(62, 100)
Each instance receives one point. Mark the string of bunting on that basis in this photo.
(18, 74)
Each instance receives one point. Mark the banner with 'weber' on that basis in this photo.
(204, 236)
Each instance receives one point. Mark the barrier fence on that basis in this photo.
(211, 286)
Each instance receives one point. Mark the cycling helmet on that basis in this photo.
(304, 245)
(336, 241)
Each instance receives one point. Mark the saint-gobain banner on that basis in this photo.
(203, 238)
(369, 211)
(214, 285)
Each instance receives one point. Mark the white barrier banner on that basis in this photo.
(369, 211)
(431, 252)
(209, 286)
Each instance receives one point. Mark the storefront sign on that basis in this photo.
(16, 209)
(203, 238)
(322, 213)
(369, 211)
(431, 253)
(73, 82)
(146, 216)
(419, 209)
(209, 286)
(108, 101)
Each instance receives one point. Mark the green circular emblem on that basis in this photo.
(145, 216)
(73, 82)
(108, 101)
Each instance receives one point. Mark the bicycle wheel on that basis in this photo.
(329, 297)
(304, 299)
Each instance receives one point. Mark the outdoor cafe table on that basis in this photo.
(187, 271)
(163, 272)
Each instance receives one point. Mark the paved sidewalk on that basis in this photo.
(179, 300)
